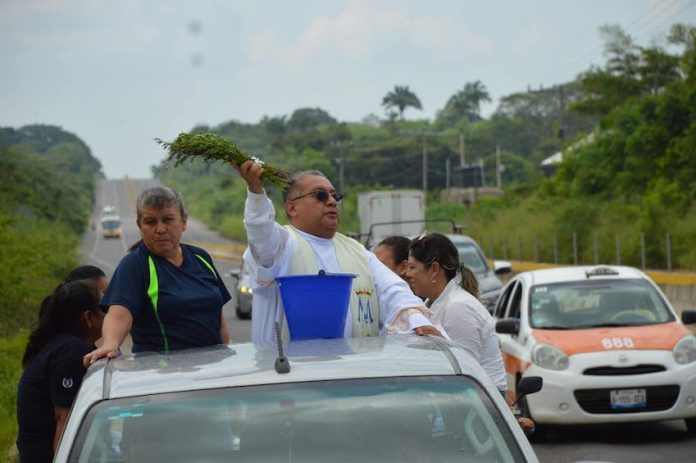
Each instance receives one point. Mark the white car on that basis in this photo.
(109, 209)
(394, 398)
(606, 342)
(245, 292)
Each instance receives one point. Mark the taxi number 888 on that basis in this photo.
(617, 343)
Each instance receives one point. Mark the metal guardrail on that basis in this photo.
(224, 251)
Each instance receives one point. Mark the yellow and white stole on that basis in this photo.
(350, 254)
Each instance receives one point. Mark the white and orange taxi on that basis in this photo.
(606, 341)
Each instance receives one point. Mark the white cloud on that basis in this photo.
(363, 29)
(528, 38)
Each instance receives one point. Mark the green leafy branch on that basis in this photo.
(211, 147)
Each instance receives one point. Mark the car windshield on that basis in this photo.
(596, 303)
(380, 419)
(470, 256)
(112, 224)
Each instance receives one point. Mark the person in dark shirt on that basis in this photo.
(88, 272)
(393, 252)
(167, 294)
(70, 322)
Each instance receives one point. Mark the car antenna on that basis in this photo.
(281, 364)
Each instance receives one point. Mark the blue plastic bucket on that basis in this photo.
(316, 306)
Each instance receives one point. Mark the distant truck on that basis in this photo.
(379, 210)
(402, 212)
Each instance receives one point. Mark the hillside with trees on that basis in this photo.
(625, 131)
(46, 195)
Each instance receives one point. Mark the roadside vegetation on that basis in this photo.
(45, 200)
(626, 133)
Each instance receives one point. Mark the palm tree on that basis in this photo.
(467, 102)
(477, 93)
(401, 98)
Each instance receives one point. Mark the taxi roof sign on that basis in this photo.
(600, 271)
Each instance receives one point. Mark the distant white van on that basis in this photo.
(111, 226)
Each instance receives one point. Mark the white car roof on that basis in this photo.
(582, 272)
(460, 239)
(247, 364)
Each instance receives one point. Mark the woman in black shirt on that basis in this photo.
(69, 323)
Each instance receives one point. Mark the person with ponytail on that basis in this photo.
(435, 273)
(70, 322)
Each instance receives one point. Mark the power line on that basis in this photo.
(668, 21)
(652, 11)
(637, 24)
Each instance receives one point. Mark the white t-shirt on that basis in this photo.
(469, 324)
(269, 255)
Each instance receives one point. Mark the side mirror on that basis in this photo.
(688, 317)
(501, 267)
(529, 385)
(508, 326)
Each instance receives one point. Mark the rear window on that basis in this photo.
(383, 419)
(470, 256)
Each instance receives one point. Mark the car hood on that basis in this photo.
(653, 337)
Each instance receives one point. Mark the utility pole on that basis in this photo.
(483, 175)
(424, 169)
(462, 152)
(498, 179)
(447, 173)
(561, 110)
(340, 173)
(342, 146)
(425, 165)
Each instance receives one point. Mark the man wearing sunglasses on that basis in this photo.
(311, 243)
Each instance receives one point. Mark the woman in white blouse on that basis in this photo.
(435, 273)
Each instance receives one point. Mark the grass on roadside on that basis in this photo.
(11, 350)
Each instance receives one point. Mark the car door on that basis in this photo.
(512, 346)
(500, 310)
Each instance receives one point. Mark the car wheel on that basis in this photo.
(690, 425)
(241, 315)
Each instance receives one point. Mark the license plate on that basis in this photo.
(627, 398)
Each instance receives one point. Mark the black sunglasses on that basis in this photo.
(321, 195)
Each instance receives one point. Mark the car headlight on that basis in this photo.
(550, 357)
(685, 350)
(246, 290)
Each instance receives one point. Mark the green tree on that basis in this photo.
(623, 56)
(274, 126)
(309, 118)
(401, 98)
(630, 71)
(466, 103)
(657, 69)
(685, 35)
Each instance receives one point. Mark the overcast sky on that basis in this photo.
(120, 73)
